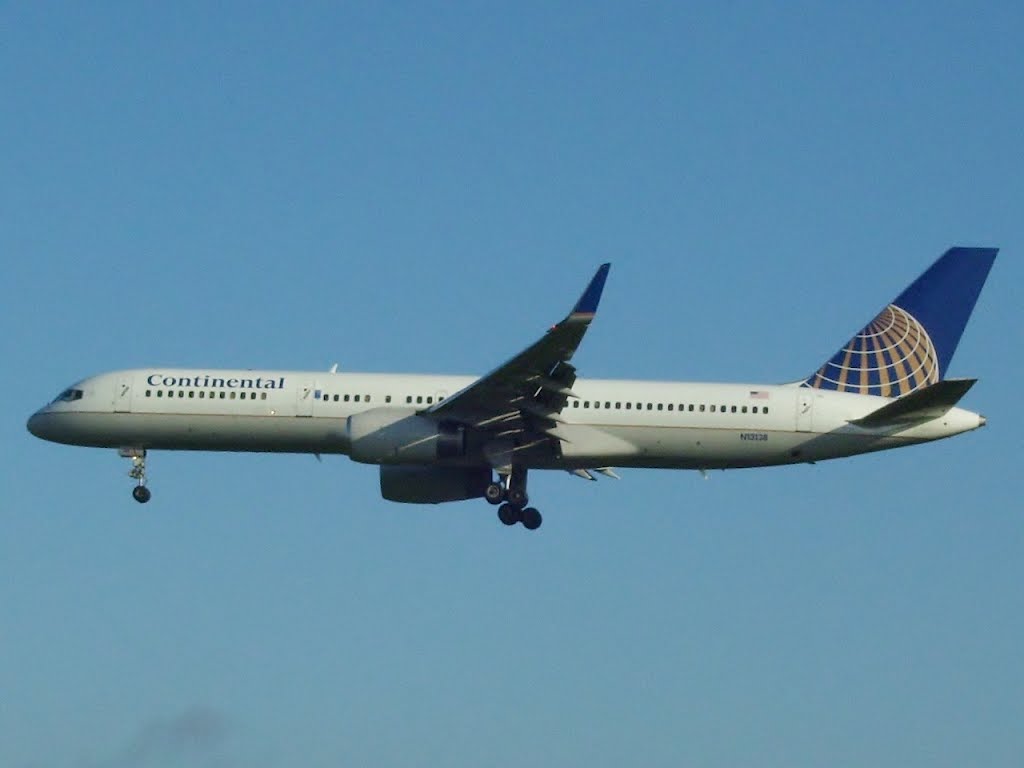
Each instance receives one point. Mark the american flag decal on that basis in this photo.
(759, 395)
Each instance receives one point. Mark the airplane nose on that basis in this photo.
(34, 424)
(39, 424)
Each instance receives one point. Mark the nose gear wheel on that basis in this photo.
(140, 492)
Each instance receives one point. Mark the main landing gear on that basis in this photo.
(140, 492)
(510, 494)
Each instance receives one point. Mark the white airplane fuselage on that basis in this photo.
(449, 438)
(621, 423)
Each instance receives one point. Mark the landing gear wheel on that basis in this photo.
(517, 497)
(494, 493)
(531, 519)
(141, 494)
(508, 514)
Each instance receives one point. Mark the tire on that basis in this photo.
(531, 519)
(508, 514)
(518, 497)
(494, 493)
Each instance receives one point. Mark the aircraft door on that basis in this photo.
(306, 394)
(123, 395)
(804, 411)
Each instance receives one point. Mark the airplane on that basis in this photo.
(440, 438)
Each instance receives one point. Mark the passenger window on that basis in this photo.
(755, 409)
(670, 406)
(597, 403)
(629, 406)
(223, 395)
(159, 393)
(733, 409)
(712, 409)
(367, 398)
(387, 398)
(608, 404)
(336, 397)
(639, 406)
(346, 398)
(202, 394)
(765, 409)
(744, 410)
(147, 392)
(575, 403)
(419, 399)
(650, 406)
(191, 393)
(430, 399)
(618, 405)
(263, 395)
(408, 398)
(356, 398)
(241, 395)
(233, 395)
(586, 403)
(660, 407)
(170, 393)
(702, 407)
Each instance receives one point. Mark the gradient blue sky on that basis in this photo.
(425, 187)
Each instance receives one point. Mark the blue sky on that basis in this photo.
(425, 187)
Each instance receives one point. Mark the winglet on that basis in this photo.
(587, 305)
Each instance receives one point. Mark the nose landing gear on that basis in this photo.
(140, 492)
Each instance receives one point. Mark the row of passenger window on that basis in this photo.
(410, 399)
(351, 398)
(690, 408)
(201, 394)
(429, 400)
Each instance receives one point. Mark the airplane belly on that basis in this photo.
(689, 448)
(680, 448)
(286, 434)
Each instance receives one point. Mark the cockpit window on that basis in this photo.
(68, 396)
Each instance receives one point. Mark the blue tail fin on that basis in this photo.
(909, 343)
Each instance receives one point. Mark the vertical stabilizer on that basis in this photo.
(909, 344)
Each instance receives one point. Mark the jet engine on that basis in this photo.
(413, 484)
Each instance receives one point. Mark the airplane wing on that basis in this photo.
(523, 396)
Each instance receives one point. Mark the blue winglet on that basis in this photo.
(587, 305)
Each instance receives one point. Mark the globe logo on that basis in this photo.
(890, 357)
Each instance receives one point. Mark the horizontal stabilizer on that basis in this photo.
(920, 405)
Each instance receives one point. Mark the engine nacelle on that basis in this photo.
(413, 484)
(399, 436)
